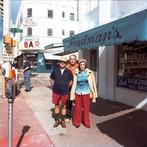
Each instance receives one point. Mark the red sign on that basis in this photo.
(32, 43)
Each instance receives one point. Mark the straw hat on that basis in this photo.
(62, 59)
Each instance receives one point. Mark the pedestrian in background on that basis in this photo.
(72, 66)
(61, 81)
(83, 88)
(27, 74)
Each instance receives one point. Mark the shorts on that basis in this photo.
(56, 99)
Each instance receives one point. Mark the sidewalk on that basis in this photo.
(0, 86)
(112, 124)
(27, 131)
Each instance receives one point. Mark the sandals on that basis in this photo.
(63, 124)
(56, 124)
(67, 120)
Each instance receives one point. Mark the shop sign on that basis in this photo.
(132, 83)
(32, 43)
(96, 37)
(113, 33)
(29, 22)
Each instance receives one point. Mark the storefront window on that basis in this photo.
(132, 67)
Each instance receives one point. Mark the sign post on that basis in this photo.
(15, 30)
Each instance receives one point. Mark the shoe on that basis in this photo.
(87, 126)
(63, 124)
(56, 124)
(28, 90)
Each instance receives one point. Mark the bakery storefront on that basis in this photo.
(122, 58)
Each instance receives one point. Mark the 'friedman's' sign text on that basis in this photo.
(97, 37)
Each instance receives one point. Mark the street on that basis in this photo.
(112, 124)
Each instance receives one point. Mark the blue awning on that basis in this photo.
(127, 29)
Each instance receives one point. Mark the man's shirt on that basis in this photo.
(27, 72)
(61, 81)
(27, 65)
(72, 68)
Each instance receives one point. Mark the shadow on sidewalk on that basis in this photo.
(129, 130)
(24, 131)
(105, 107)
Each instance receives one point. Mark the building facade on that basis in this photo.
(45, 24)
(7, 56)
(112, 62)
(1, 27)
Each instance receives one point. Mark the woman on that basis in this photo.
(83, 88)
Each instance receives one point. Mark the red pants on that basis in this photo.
(82, 101)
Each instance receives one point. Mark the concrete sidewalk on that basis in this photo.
(100, 134)
(112, 124)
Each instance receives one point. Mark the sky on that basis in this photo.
(15, 4)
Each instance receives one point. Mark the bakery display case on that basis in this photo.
(132, 67)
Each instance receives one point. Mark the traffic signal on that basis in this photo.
(13, 42)
(7, 39)
(9, 43)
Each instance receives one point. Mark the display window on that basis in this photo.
(132, 66)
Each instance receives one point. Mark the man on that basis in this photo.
(61, 80)
(72, 66)
(27, 74)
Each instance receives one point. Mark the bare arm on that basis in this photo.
(51, 82)
(70, 83)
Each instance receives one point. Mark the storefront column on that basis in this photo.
(107, 72)
(102, 72)
(110, 72)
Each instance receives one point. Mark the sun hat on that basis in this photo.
(82, 60)
(62, 59)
